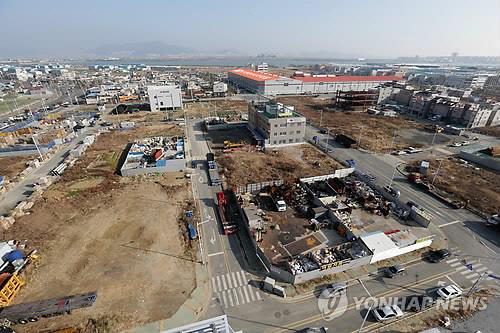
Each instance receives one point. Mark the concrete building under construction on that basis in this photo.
(356, 100)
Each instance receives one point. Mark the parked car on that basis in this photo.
(336, 288)
(456, 144)
(323, 131)
(418, 303)
(392, 191)
(387, 312)
(449, 292)
(438, 255)
(393, 271)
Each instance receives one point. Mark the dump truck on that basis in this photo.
(417, 180)
(30, 312)
(228, 226)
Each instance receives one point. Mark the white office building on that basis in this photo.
(163, 98)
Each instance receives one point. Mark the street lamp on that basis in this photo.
(435, 175)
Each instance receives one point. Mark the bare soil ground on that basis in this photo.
(11, 166)
(246, 167)
(229, 109)
(121, 236)
(137, 117)
(377, 131)
(467, 182)
(489, 130)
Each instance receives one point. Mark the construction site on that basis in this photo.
(464, 182)
(246, 164)
(315, 226)
(230, 110)
(374, 132)
(92, 232)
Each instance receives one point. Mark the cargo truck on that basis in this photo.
(30, 312)
(270, 285)
(213, 173)
(228, 226)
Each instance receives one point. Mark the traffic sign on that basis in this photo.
(469, 266)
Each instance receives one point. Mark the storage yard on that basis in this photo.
(376, 131)
(466, 182)
(247, 166)
(124, 237)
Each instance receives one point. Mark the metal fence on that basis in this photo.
(253, 188)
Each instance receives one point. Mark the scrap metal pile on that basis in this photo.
(359, 192)
(327, 258)
(156, 148)
(294, 196)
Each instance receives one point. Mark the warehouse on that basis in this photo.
(163, 98)
(272, 84)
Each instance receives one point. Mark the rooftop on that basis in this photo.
(346, 78)
(256, 76)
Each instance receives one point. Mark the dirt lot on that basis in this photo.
(137, 117)
(11, 166)
(247, 167)
(489, 130)
(464, 182)
(229, 109)
(377, 131)
(121, 236)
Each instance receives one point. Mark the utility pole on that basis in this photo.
(360, 135)
(393, 174)
(474, 286)
(435, 175)
(328, 141)
(433, 138)
(392, 142)
(321, 118)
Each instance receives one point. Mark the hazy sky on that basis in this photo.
(362, 28)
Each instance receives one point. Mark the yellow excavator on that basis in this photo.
(228, 144)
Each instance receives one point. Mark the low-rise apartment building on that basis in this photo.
(278, 124)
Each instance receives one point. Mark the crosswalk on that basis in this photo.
(461, 263)
(233, 289)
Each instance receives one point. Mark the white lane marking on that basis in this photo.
(449, 223)
(455, 264)
(229, 297)
(215, 254)
(451, 260)
(218, 283)
(466, 272)
(479, 270)
(251, 291)
(224, 299)
(235, 282)
(449, 278)
(214, 286)
(235, 296)
(246, 293)
(244, 278)
(239, 279)
(258, 295)
(229, 281)
(470, 276)
(241, 295)
(223, 282)
(486, 246)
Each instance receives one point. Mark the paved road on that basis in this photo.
(235, 295)
(24, 188)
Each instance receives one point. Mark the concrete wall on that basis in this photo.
(488, 162)
(225, 126)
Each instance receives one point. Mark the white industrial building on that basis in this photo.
(272, 84)
(163, 98)
(220, 89)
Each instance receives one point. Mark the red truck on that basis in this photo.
(227, 226)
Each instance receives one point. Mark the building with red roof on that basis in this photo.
(272, 84)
